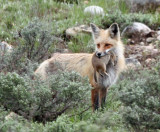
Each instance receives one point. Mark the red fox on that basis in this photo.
(82, 62)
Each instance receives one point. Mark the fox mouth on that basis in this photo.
(101, 54)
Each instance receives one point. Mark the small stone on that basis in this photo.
(74, 31)
(150, 39)
(129, 40)
(149, 60)
(65, 51)
(86, 2)
(158, 32)
(132, 42)
(94, 10)
(135, 56)
(154, 51)
(11, 115)
(142, 43)
(132, 63)
(71, 32)
(158, 38)
(149, 47)
(5, 47)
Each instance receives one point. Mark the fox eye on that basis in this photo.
(98, 45)
(107, 45)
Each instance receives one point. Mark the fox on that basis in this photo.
(104, 39)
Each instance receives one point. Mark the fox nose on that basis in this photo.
(99, 54)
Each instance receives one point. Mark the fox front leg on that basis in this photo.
(95, 98)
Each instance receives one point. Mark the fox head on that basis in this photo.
(105, 40)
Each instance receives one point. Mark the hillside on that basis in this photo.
(31, 31)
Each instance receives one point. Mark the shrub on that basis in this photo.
(140, 94)
(34, 45)
(43, 101)
(40, 105)
(37, 40)
(3, 113)
(62, 124)
(17, 62)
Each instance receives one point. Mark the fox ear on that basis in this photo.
(95, 30)
(114, 31)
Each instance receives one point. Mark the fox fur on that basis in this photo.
(82, 62)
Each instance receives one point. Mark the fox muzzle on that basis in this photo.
(101, 54)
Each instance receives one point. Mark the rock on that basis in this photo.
(148, 50)
(150, 39)
(149, 61)
(154, 52)
(158, 38)
(129, 41)
(142, 43)
(94, 10)
(139, 52)
(74, 31)
(136, 29)
(5, 47)
(12, 116)
(132, 42)
(57, 39)
(86, 2)
(158, 32)
(132, 63)
(135, 56)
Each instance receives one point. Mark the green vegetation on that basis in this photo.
(138, 111)
(43, 101)
(62, 104)
(15, 15)
(140, 96)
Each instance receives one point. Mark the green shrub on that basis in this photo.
(3, 113)
(37, 40)
(42, 101)
(17, 61)
(14, 92)
(35, 44)
(64, 124)
(140, 95)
